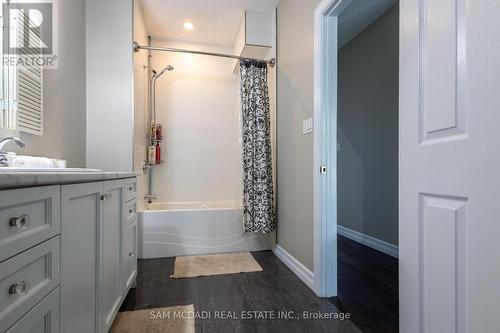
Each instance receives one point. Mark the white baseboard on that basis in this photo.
(296, 266)
(374, 243)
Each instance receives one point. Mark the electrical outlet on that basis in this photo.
(307, 126)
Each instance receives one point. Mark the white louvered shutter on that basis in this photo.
(30, 88)
(7, 88)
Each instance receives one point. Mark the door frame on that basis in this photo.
(325, 145)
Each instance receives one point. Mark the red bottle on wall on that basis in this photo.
(158, 153)
(159, 134)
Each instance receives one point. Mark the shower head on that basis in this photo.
(168, 68)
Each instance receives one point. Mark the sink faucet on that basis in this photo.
(4, 162)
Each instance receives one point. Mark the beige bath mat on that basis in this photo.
(215, 264)
(176, 319)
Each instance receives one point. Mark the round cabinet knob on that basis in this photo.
(18, 288)
(20, 222)
(131, 253)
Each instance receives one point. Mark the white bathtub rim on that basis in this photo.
(193, 205)
(195, 238)
(145, 211)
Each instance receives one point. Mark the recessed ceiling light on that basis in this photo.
(188, 26)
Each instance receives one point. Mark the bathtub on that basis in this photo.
(168, 229)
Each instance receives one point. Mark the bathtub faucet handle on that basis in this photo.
(150, 197)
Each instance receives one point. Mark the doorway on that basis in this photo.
(447, 200)
(356, 155)
(367, 168)
(361, 120)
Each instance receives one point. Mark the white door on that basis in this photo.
(450, 166)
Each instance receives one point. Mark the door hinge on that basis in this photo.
(322, 169)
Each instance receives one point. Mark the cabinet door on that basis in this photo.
(81, 215)
(110, 288)
(129, 256)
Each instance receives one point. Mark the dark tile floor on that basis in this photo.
(275, 289)
(367, 287)
(368, 290)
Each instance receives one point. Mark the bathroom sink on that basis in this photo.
(54, 170)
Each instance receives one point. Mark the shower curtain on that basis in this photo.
(258, 192)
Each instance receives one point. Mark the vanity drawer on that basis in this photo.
(26, 279)
(43, 318)
(28, 217)
(130, 189)
(130, 212)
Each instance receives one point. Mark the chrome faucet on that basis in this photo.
(4, 162)
(149, 197)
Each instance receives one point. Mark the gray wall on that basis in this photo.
(110, 85)
(64, 93)
(141, 95)
(295, 151)
(368, 130)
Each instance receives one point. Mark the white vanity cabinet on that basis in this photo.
(92, 261)
(68, 255)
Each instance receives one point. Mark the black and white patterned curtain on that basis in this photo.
(258, 195)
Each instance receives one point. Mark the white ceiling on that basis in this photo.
(215, 21)
(359, 15)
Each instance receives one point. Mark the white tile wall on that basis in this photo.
(197, 105)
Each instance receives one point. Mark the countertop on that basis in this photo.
(17, 179)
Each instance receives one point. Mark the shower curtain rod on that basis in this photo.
(137, 47)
